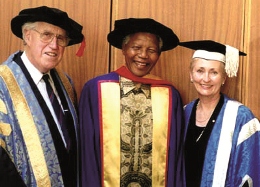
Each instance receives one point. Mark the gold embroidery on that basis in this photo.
(28, 128)
(3, 107)
(2, 144)
(67, 85)
(5, 129)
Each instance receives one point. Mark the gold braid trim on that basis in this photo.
(67, 85)
(5, 129)
(28, 128)
(2, 144)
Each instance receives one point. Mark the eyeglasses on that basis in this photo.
(47, 37)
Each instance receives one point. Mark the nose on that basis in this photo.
(54, 42)
(143, 53)
(206, 77)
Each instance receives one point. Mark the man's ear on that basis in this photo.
(26, 36)
(123, 49)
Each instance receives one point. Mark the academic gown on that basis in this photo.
(99, 113)
(31, 149)
(232, 154)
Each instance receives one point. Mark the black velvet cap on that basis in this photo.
(53, 16)
(124, 27)
(207, 45)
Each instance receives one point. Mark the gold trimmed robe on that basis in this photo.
(99, 113)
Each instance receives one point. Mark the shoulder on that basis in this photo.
(175, 90)
(243, 113)
(11, 58)
(189, 105)
(93, 83)
(104, 77)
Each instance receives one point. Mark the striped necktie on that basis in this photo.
(57, 109)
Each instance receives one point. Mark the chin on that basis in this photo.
(139, 74)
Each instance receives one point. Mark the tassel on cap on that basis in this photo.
(81, 48)
(232, 61)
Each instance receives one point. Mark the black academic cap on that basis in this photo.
(49, 15)
(124, 27)
(211, 50)
(207, 45)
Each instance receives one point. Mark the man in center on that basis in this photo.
(130, 120)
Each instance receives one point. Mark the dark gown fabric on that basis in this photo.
(195, 151)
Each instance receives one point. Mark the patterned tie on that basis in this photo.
(57, 108)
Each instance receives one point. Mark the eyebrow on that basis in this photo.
(45, 30)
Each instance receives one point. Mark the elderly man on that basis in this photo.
(38, 133)
(130, 120)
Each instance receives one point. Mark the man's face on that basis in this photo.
(44, 55)
(141, 53)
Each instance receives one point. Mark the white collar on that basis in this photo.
(33, 71)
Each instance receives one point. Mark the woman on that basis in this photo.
(222, 145)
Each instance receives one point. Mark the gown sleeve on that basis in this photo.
(90, 137)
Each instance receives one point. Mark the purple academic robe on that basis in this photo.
(98, 167)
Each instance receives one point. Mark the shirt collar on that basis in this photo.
(33, 71)
(128, 85)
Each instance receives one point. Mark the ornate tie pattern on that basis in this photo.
(57, 109)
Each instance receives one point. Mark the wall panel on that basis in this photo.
(252, 86)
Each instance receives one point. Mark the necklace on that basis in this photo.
(201, 121)
(207, 118)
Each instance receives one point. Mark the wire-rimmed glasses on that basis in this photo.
(47, 37)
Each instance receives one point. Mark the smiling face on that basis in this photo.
(141, 53)
(207, 76)
(44, 56)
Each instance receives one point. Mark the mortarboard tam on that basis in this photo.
(211, 50)
(49, 15)
(124, 27)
